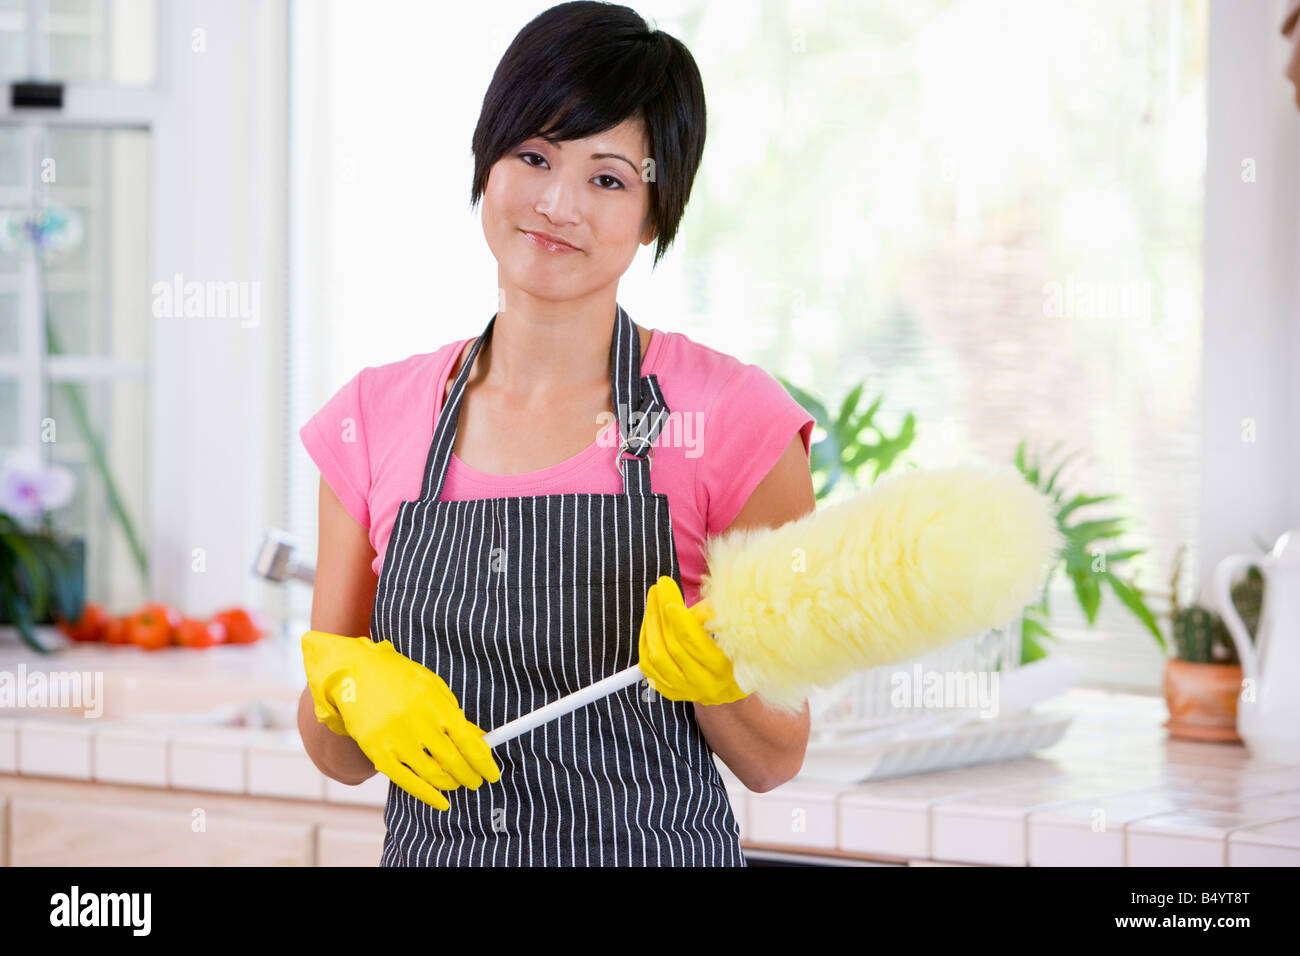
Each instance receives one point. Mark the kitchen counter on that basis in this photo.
(1115, 791)
(174, 679)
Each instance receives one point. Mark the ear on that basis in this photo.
(649, 233)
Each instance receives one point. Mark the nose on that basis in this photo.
(558, 202)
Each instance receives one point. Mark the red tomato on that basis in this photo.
(195, 632)
(116, 632)
(242, 627)
(90, 627)
(153, 626)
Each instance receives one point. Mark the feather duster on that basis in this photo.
(916, 562)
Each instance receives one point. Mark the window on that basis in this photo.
(82, 402)
(990, 210)
(82, 42)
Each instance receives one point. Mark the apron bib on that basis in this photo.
(518, 601)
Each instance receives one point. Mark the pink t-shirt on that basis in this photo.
(728, 425)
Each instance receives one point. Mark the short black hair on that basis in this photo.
(588, 66)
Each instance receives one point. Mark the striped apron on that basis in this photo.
(518, 601)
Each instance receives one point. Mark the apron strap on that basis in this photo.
(639, 429)
(652, 414)
(444, 433)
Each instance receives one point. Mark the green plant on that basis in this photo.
(48, 231)
(1088, 567)
(1194, 633)
(853, 441)
(1200, 635)
(38, 573)
(1193, 627)
(1248, 598)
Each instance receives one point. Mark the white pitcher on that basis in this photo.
(1268, 710)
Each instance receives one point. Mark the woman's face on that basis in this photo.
(598, 204)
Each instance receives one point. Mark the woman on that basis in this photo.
(519, 555)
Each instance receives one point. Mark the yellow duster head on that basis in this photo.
(918, 561)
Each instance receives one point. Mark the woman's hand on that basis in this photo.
(678, 656)
(402, 715)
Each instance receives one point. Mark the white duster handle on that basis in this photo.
(565, 705)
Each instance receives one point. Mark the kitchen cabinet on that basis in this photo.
(125, 788)
(74, 823)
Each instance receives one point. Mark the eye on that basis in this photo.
(617, 184)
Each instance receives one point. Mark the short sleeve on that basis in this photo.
(748, 426)
(336, 440)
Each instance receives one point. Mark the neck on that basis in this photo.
(539, 347)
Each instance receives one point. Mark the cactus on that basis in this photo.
(1248, 598)
(1223, 649)
(1194, 633)
(1200, 635)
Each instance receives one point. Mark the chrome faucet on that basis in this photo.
(281, 558)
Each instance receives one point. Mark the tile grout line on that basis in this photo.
(1227, 834)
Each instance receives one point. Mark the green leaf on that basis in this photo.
(1092, 530)
(1133, 601)
(865, 420)
(1117, 557)
(860, 456)
(1079, 501)
(19, 611)
(1089, 594)
(1051, 482)
(810, 404)
(33, 571)
(849, 404)
(1030, 625)
(1030, 651)
(1034, 634)
(59, 561)
(825, 454)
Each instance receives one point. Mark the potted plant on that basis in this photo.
(1203, 678)
(1089, 567)
(852, 440)
(42, 575)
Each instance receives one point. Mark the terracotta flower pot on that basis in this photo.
(1202, 700)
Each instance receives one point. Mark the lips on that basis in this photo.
(547, 237)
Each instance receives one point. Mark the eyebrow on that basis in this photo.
(557, 145)
(614, 156)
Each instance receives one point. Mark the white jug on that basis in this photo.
(1268, 709)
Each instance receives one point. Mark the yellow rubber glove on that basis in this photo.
(678, 656)
(402, 715)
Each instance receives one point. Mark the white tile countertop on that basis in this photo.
(174, 679)
(1115, 791)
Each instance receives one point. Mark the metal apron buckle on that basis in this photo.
(623, 448)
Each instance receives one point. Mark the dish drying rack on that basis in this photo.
(858, 735)
(861, 702)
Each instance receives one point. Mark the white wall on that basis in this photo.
(217, 216)
(1250, 488)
